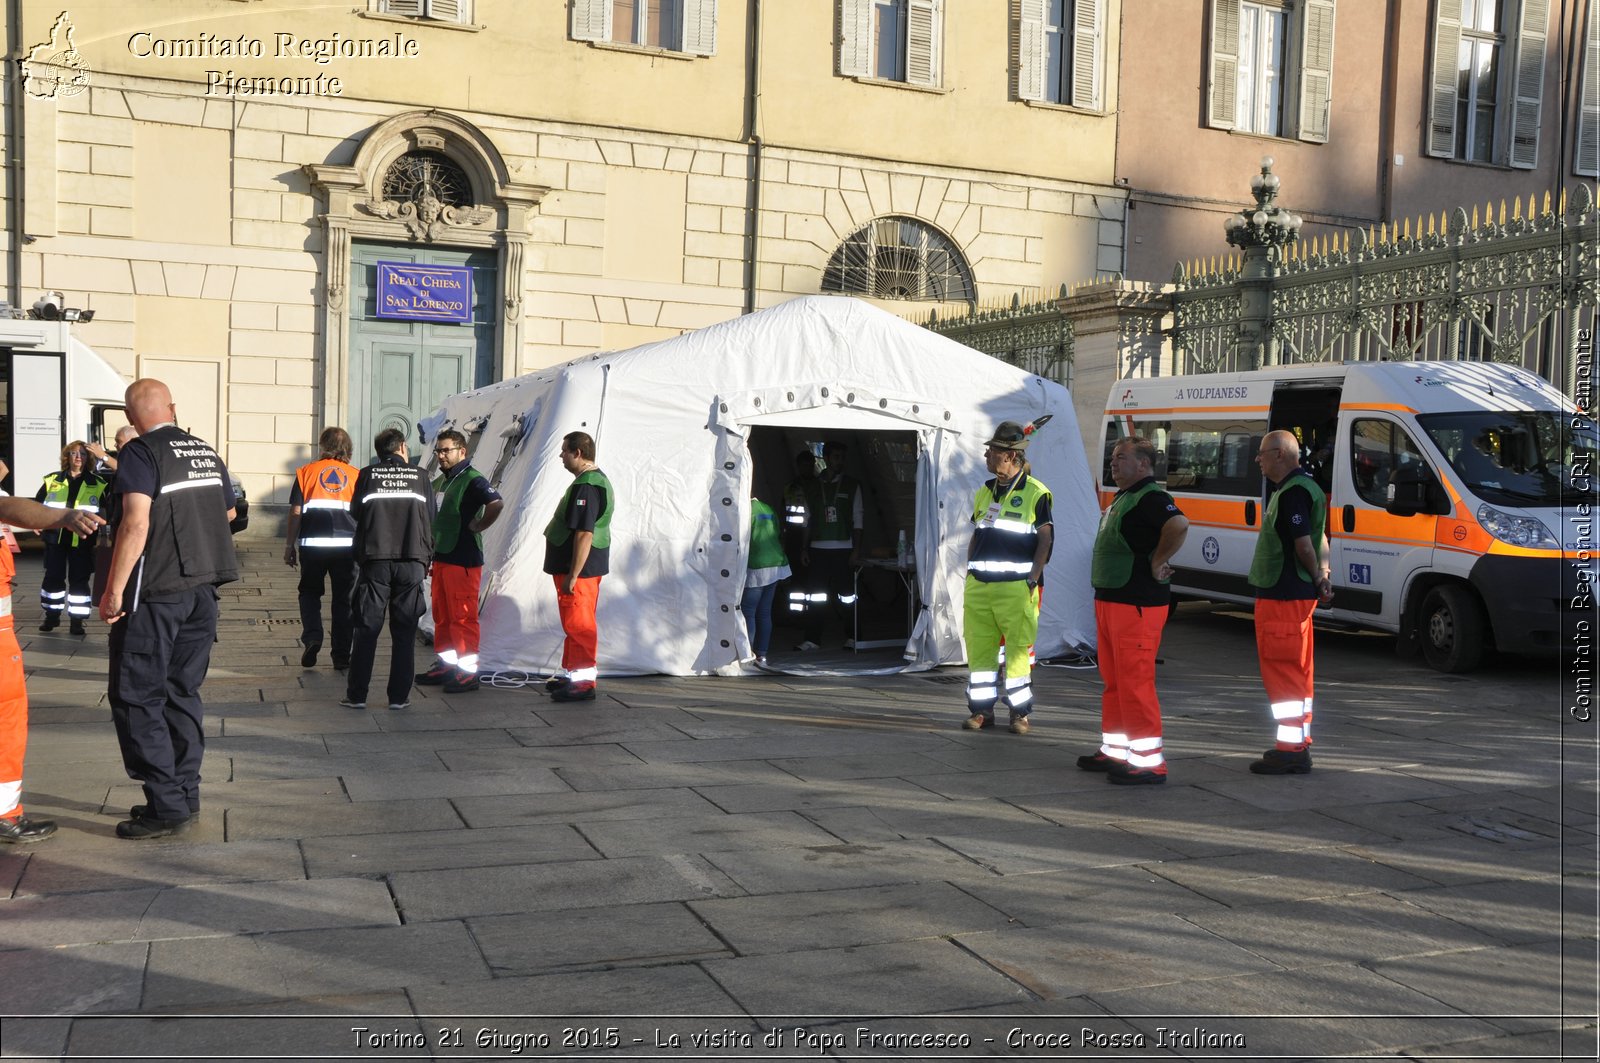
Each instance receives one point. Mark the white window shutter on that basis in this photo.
(1587, 152)
(1087, 17)
(1029, 59)
(1529, 84)
(700, 27)
(923, 31)
(855, 38)
(408, 8)
(1224, 90)
(1446, 56)
(447, 10)
(1316, 70)
(591, 20)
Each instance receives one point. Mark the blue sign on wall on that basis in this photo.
(424, 293)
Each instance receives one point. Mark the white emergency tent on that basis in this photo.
(672, 422)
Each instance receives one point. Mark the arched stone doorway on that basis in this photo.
(429, 189)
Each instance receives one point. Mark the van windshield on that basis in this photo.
(1519, 458)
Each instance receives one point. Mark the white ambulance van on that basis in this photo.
(53, 389)
(1460, 494)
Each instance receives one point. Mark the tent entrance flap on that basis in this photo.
(874, 603)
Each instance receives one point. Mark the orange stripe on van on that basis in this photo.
(1389, 407)
(1198, 411)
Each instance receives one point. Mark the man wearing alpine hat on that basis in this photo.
(1011, 541)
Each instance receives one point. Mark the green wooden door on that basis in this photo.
(401, 370)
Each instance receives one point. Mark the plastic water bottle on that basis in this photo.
(900, 549)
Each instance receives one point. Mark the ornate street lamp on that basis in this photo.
(1264, 230)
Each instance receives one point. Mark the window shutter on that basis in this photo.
(922, 42)
(1529, 85)
(408, 8)
(446, 10)
(700, 27)
(1224, 90)
(855, 38)
(591, 20)
(1588, 146)
(1086, 52)
(1316, 70)
(1446, 56)
(1029, 60)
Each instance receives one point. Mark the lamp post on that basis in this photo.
(1263, 231)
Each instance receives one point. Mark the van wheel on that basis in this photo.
(1451, 628)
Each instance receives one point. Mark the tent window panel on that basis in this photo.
(899, 258)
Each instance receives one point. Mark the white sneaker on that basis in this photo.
(761, 662)
(807, 646)
(348, 704)
(397, 705)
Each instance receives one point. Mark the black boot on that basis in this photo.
(76, 626)
(52, 620)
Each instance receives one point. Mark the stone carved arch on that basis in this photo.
(355, 207)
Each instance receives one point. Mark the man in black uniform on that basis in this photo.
(393, 510)
(161, 600)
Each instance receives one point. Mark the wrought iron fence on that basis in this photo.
(1033, 334)
(1514, 287)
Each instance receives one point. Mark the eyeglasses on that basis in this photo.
(446, 450)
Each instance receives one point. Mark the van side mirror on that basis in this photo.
(1414, 489)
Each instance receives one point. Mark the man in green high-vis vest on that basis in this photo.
(467, 505)
(577, 553)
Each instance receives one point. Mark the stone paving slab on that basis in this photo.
(522, 809)
(1018, 784)
(71, 981)
(1330, 789)
(1360, 929)
(681, 989)
(631, 935)
(1092, 958)
(215, 796)
(866, 766)
(316, 821)
(799, 922)
(779, 745)
(1046, 847)
(452, 894)
(1099, 801)
(908, 978)
(382, 854)
(108, 863)
(514, 757)
(1516, 912)
(772, 797)
(1307, 1013)
(273, 766)
(1098, 894)
(881, 823)
(1271, 878)
(845, 866)
(1250, 832)
(1452, 862)
(637, 776)
(420, 742)
(605, 729)
(211, 910)
(530, 780)
(703, 834)
(267, 967)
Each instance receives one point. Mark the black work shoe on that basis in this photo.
(461, 683)
(1283, 762)
(1136, 777)
(556, 682)
(341, 664)
(574, 692)
(149, 827)
(435, 676)
(1096, 761)
(24, 831)
(75, 626)
(978, 722)
(308, 658)
(51, 622)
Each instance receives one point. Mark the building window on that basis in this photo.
(429, 178)
(437, 10)
(1272, 67)
(899, 258)
(669, 25)
(1058, 51)
(891, 40)
(1586, 150)
(1487, 80)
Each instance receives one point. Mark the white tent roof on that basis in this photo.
(671, 419)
